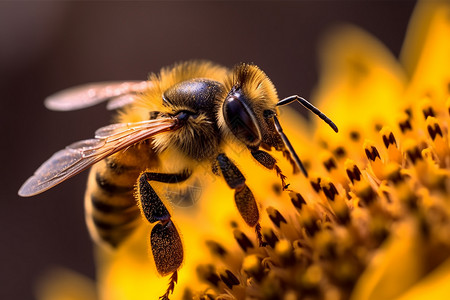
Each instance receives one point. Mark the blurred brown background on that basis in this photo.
(49, 46)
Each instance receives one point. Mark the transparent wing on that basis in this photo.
(120, 101)
(118, 93)
(83, 154)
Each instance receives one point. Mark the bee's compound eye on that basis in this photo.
(241, 121)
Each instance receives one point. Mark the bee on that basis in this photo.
(167, 127)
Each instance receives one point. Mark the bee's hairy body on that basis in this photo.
(110, 204)
(196, 87)
(178, 122)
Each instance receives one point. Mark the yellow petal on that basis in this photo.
(361, 82)
(426, 47)
(433, 286)
(396, 267)
(431, 74)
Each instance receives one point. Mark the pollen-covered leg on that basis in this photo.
(270, 163)
(167, 251)
(243, 196)
(165, 241)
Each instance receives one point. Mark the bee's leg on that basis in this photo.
(243, 196)
(270, 163)
(166, 245)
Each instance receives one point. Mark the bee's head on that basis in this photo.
(248, 106)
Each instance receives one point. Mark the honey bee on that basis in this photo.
(167, 127)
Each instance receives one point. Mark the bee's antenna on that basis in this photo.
(289, 146)
(309, 106)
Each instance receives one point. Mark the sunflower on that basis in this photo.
(372, 221)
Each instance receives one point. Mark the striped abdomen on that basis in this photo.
(112, 212)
